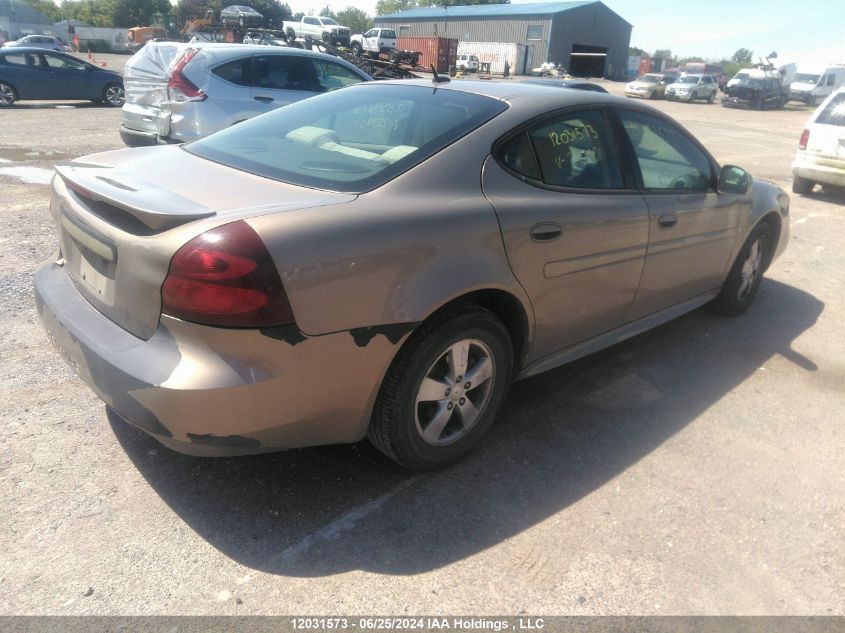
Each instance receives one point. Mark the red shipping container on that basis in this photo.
(440, 51)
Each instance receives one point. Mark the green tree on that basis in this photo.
(187, 10)
(93, 12)
(48, 8)
(633, 51)
(274, 12)
(356, 19)
(742, 56)
(137, 12)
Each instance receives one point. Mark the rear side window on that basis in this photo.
(574, 150)
(834, 112)
(21, 59)
(389, 33)
(238, 72)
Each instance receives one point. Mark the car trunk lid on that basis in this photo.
(119, 230)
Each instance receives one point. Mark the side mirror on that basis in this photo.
(733, 179)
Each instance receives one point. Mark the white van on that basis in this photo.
(813, 85)
(821, 150)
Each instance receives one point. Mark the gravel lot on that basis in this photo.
(695, 469)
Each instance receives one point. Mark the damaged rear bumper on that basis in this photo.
(215, 391)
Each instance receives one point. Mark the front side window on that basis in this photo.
(667, 158)
(331, 76)
(831, 78)
(55, 61)
(370, 33)
(349, 140)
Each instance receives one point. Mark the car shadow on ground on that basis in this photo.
(834, 195)
(561, 435)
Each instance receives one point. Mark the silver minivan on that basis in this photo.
(182, 92)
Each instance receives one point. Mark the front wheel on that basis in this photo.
(113, 95)
(443, 390)
(746, 274)
(712, 97)
(7, 94)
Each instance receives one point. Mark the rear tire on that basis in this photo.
(746, 274)
(7, 95)
(802, 186)
(443, 390)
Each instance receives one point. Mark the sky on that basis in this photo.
(805, 31)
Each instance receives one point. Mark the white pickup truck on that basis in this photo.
(374, 42)
(319, 28)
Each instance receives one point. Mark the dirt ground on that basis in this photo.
(695, 469)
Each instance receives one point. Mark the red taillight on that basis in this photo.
(226, 277)
(805, 138)
(179, 87)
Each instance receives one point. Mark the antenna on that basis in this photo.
(437, 78)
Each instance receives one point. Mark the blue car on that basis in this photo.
(36, 73)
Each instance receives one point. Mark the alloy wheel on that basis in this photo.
(7, 95)
(115, 96)
(751, 269)
(454, 392)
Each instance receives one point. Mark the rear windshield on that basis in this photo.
(350, 140)
(834, 112)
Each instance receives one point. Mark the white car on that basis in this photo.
(467, 63)
(38, 41)
(182, 92)
(692, 87)
(821, 150)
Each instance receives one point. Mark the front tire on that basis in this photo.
(746, 274)
(712, 97)
(7, 95)
(114, 96)
(443, 390)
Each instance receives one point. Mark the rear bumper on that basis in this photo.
(137, 138)
(215, 391)
(831, 172)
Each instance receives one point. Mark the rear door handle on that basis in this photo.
(545, 231)
(263, 99)
(667, 220)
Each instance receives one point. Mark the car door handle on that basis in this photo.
(667, 220)
(264, 99)
(545, 232)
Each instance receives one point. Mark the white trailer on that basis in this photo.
(496, 54)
